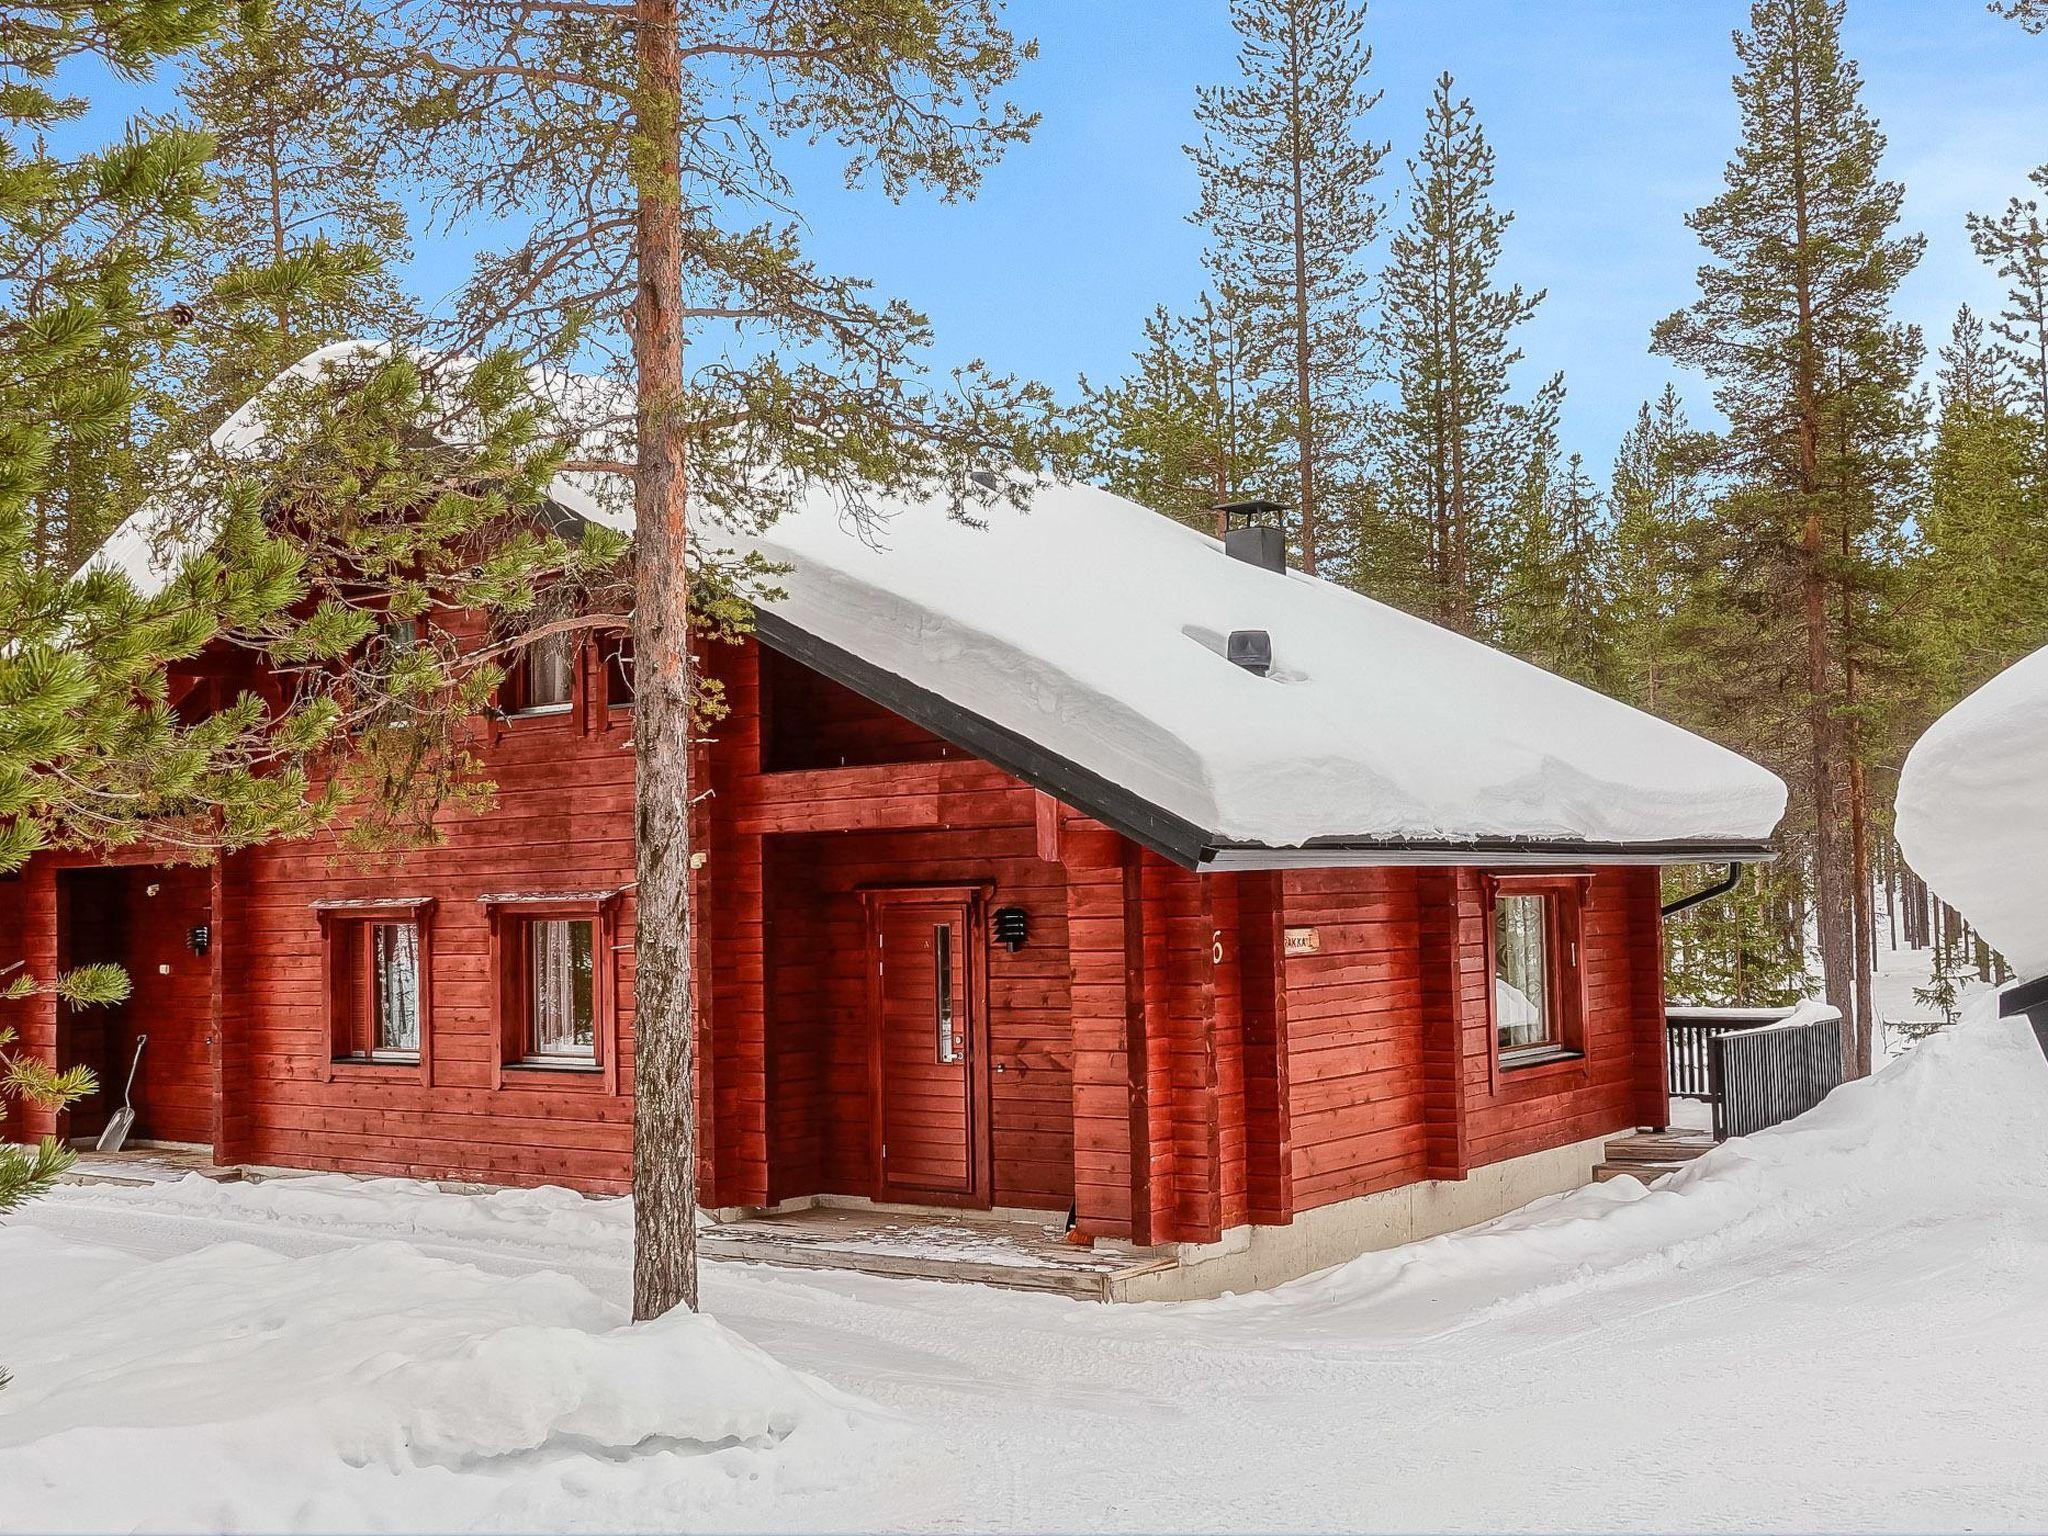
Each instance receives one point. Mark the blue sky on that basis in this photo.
(1611, 118)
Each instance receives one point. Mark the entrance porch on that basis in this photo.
(156, 922)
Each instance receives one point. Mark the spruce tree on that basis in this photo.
(1287, 173)
(1659, 505)
(1813, 377)
(1556, 600)
(1453, 445)
(1983, 533)
(1191, 426)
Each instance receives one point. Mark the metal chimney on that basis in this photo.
(1257, 537)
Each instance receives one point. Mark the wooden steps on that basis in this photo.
(1649, 1155)
(1016, 1256)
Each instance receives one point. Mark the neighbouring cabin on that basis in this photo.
(991, 916)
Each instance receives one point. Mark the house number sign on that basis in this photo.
(1301, 941)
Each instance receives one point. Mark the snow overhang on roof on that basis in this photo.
(1970, 816)
(1079, 645)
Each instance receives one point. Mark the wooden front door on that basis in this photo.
(928, 1048)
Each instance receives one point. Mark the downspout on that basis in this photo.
(1720, 888)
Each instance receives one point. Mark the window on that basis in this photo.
(561, 990)
(1536, 997)
(544, 680)
(556, 1023)
(1522, 1012)
(942, 991)
(617, 650)
(376, 959)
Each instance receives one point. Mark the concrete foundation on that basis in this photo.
(1255, 1258)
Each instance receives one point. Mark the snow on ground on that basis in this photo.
(1836, 1324)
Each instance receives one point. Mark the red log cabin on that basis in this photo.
(1074, 864)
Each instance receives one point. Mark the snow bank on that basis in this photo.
(236, 1388)
(549, 1218)
(1947, 1116)
(1973, 811)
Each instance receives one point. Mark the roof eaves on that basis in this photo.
(1354, 853)
(1182, 841)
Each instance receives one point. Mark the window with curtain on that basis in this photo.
(561, 990)
(395, 988)
(1523, 1012)
(546, 675)
(377, 971)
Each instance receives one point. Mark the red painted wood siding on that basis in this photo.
(1165, 1067)
(562, 821)
(1390, 1050)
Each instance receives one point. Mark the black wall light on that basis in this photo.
(199, 939)
(1013, 927)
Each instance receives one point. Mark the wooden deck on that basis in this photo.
(1014, 1255)
(1649, 1155)
(147, 1162)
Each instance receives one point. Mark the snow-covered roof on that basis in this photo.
(1973, 811)
(1080, 641)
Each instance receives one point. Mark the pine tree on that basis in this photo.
(1454, 447)
(2015, 244)
(1792, 323)
(1287, 175)
(1193, 425)
(638, 147)
(301, 234)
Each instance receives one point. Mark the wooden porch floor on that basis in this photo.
(1015, 1255)
(1649, 1155)
(146, 1162)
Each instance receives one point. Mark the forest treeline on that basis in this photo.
(1808, 562)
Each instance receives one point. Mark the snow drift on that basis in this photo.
(1951, 1115)
(1973, 811)
(235, 1388)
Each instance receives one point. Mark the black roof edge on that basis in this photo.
(2023, 998)
(1115, 807)
(1341, 852)
(1173, 837)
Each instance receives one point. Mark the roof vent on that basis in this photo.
(987, 479)
(1251, 649)
(1258, 539)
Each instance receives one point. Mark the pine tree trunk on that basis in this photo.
(664, 1107)
(1304, 399)
(1866, 937)
(1833, 921)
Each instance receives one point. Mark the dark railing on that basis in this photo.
(1750, 1064)
(1766, 1075)
(1688, 1043)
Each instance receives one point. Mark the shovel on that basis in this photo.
(124, 1118)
